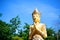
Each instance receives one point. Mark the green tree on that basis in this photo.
(21, 33)
(50, 34)
(4, 31)
(7, 31)
(17, 38)
(25, 32)
(14, 24)
(59, 33)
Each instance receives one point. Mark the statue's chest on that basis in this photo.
(39, 26)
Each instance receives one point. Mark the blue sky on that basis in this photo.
(49, 9)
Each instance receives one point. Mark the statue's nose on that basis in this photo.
(35, 18)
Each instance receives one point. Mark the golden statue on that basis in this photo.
(37, 31)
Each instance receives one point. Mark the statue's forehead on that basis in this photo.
(36, 15)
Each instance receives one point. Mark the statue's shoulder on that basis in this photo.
(32, 25)
(42, 24)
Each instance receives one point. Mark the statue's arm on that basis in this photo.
(31, 31)
(44, 31)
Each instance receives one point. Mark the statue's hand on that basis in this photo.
(38, 28)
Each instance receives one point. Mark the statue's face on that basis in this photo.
(36, 18)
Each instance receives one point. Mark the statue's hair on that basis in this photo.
(35, 13)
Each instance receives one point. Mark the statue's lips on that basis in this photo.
(36, 20)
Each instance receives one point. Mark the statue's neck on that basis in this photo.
(36, 22)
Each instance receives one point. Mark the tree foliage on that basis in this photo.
(4, 31)
(7, 30)
(50, 34)
(14, 24)
(24, 34)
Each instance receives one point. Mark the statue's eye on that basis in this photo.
(34, 16)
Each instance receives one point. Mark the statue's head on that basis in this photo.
(36, 16)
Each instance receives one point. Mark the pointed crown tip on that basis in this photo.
(36, 10)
